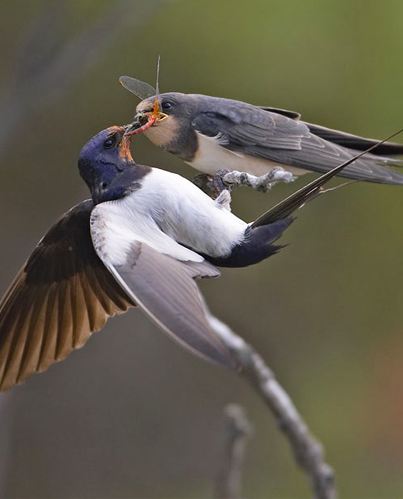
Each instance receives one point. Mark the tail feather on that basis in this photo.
(384, 161)
(286, 207)
(355, 142)
(257, 245)
(319, 155)
(374, 169)
(260, 236)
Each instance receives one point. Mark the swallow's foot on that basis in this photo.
(225, 180)
(278, 174)
(263, 183)
(213, 185)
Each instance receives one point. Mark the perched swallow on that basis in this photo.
(212, 134)
(142, 239)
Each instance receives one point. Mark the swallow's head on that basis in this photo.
(170, 104)
(173, 116)
(106, 164)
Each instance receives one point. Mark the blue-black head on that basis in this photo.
(107, 167)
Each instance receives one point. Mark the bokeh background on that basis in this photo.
(132, 415)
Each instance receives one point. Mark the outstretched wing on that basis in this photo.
(256, 132)
(61, 295)
(165, 289)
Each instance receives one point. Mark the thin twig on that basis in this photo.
(307, 450)
(238, 430)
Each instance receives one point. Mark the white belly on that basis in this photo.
(170, 214)
(211, 157)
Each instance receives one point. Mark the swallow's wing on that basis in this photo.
(248, 129)
(296, 200)
(165, 289)
(252, 131)
(294, 115)
(344, 139)
(355, 142)
(61, 295)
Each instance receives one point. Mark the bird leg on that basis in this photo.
(262, 183)
(213, 185)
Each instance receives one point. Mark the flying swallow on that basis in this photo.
(141, 240)
(212, 134)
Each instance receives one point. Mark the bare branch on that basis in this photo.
(238, 430)
(307, 450)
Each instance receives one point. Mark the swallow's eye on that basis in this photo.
(110, 142)
(104, 185)
(166, 105)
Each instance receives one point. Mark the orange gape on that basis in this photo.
(152, 118)
(124, 149)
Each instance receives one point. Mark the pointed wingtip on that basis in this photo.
(311, 190)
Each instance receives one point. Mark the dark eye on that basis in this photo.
(166, 105)
(110, 142)
(104, 185)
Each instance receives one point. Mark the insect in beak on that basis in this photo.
(157, 114)
(144, 120)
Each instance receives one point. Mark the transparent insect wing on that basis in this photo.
(139, 88)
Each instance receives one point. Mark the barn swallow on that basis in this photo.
(212, 134)
(141, 240)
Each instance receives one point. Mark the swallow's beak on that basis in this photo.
(144, 120)
(161, 117)
(139, 120)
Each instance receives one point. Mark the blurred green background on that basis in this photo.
(132, 415)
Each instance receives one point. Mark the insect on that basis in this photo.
(143, 90)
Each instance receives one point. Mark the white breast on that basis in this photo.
(211, 157)
(166, 213)
(116, 225)
(188, 215)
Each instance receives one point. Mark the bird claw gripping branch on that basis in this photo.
(213, 185)
(262, 183)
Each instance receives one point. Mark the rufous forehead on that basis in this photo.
(115, 129)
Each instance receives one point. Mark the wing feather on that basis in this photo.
(165, 288)
(276, 137)
(245, 126)
(62, 295)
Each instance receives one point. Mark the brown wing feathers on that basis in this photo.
(62, 295)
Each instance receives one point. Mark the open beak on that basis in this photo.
(139, 121)
(124, 148)
(144, 120)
